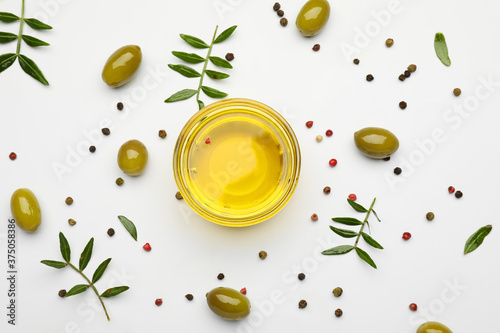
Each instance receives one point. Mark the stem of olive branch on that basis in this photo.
(93, 287)
(206, 63)
(19, 37)
(364, 223)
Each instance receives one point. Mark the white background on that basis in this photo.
(276, 66)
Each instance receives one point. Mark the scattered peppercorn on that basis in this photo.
(105, 131)
(119, 106)
(147, 247)
(314, 217)
(301, 276)
(284, 22)
(178, 195)
(329, 133)
(68, 201)
(229, 56)
(319, 138)
(71, 222)
(413, 307)
(276, 6)
(92, 149)
(356, 61)
(406, 235)
(451, 189)
(407, 74)
(119, 181)
(111, 232)
(262, 255)
(388, 158)
(327, 190)
(412, 68)
(389, 42)
(457, 92)
(402, 77)
(352, 197)
(459, 194)
(332, 162)
(397, 170)
(429, 216)
(207, 141)
(369, 78)
(337, 292)
(220, 276)
(339, 313)
(403, 105)
(162, 134)
(280, 13)
(243, 291)
(62, 293)
(159, 301)
(309, 124)
(189, 297)
(302, 304)
(12, 156)
(316, 47)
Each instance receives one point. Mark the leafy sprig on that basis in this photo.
(345, 233)
(190, 72)
(84, 260)
(477, 238)
(7, 59)
(441, 49)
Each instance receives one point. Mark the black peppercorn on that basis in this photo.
(369, 78)
(119, 106)
(105, 131)
(407, 74)
(339, 313)
(402, 105)
(284, 22)
(229, 56)
(458, 194)
(280, 13)
(220, 276)
(316, 47)
(92, 149)
(301, 276)
(402, 77)
(111, 232)
(62, 293)
(327, 190)
(302, 303)
(276, 6)
(356, 61)
(397, 171)
(189, 297)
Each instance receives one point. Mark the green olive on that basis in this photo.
(133, 157)
(122, 65)
(376, 142)
(228, 303)
(25, 210)
(433, 327)
(313, 17)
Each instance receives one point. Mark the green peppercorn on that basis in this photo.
(412, 68)
(457, 92)
(389, 42)
(337, 292)
(262, 255)
(69, 201)
(119, 181)
(71, 222)
(430, 216)
(178, 195)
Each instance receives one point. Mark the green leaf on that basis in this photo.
(214, 93)
(344, 233)
(185, 70)
(181, 95)
(114, 291)
(78, 289)
(363, 255)
(220, 62)
(34, 42)
(369, 239)
(225, 34)
(6, 60)
(8, 17)
(129, 225)
(37, 25)
(86, 254)
(30, 68)
(357, 207)
(188, 57)
(6, 37)
(55, 264)
(476, 239)
(341, 249)
(347, 220)
(194, 42)
(441, 49)
(64, 245)
(201, 105)
(100, 270)
(216, 75)
(375, 213)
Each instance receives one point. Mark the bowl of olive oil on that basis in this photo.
(237, 162)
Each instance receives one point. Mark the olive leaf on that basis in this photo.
(341, 249)
(114, 291)
(369, 240)
(8, 17)
(357, 207)
(64, 246)
(219, 62)
(129, 225)
(194, 41)
(6, 60)
(30, 68)
(347, 220)
(34, 42)
(363, 255)
(201, 105)
(214, 93)
(78, 289)
(185, 70)
(54, 264)
(441, 49)
(477, 238)
(216, 75)
(181, 95)
(86, 254)
(36, 24)
(6, 37)
(188, 57)
(344, 233)
(225, 34)
(375, 213)
(100, 270)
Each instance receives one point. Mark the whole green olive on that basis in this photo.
(228, 303)
(132, 157)
(433, 327)
(122, 65)
(312, 17)
(376, 142)
(25, 210)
